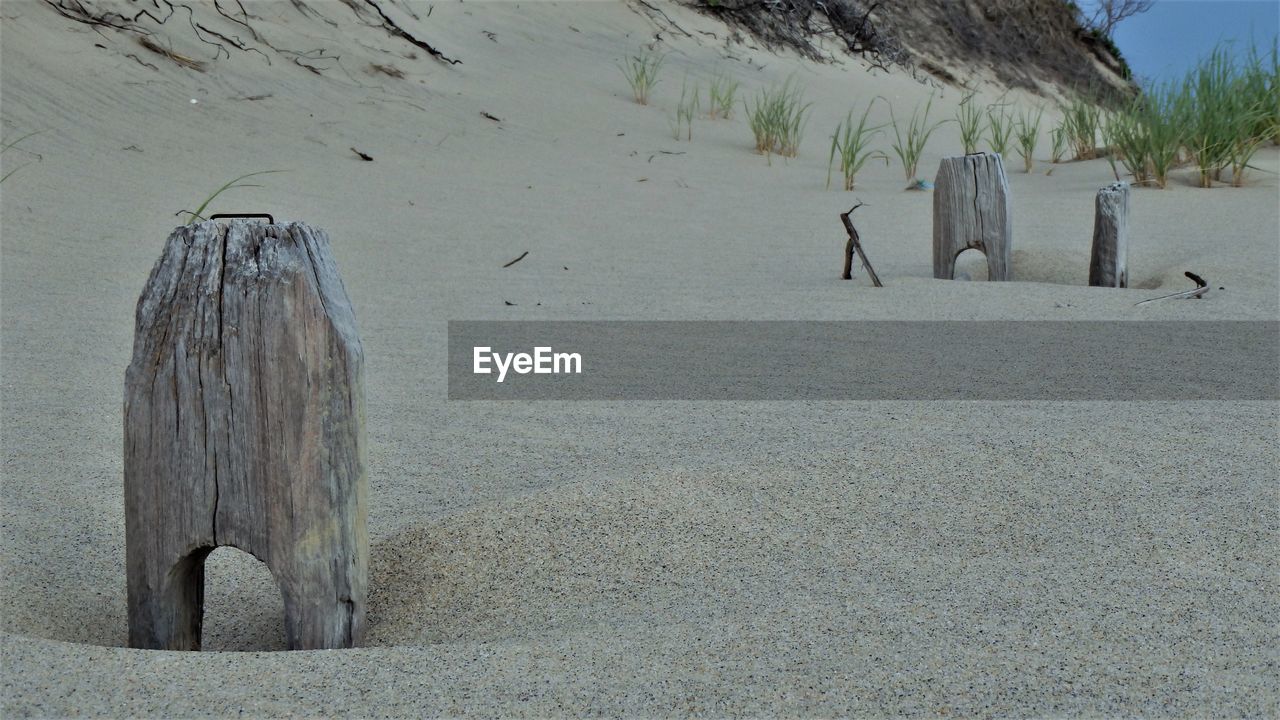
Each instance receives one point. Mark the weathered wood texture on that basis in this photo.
(244, 426)
(1108, 261)
(971, 210)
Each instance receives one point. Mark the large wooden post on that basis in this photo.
(1108, 261)
(971, 210)
(244, 426)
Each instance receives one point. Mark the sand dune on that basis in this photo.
(623, 558)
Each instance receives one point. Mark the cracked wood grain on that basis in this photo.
(971, 210)
(244, 427)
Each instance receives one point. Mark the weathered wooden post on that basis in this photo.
(244, 426)
(1107, 262)
(971, 210)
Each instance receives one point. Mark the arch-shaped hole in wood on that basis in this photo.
(971, 264)
(243, 607)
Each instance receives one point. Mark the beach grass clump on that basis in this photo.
(195, 216)
(1217, 117)
(778, 119)
(969, 118)
(1122, 134)
(1264, 84)
(910, 140)
(1058, 139)
(1147, 135)
(1209, 107)
(851, 143)
(1228, 110)
(1081, 121)
(642, 73)
(1027, 133)
(1000, 122)
(686, 111)
(722, 93)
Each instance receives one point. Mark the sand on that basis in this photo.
(643, 558)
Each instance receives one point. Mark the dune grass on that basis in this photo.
(1000, 124)
(778, 119)
(969, 118)
(1146, 136)
(722, 93)
(1217, 117)
(850, 143)
(1081, 121)
(1264, 83)
(686, 111)
(1228, 108)
(642, 73)
(1058, 138)
(1028, 136)
(195, 216)
(909, 143)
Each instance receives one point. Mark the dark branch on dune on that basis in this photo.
(795, 23)
(391, 27)
(671, 24)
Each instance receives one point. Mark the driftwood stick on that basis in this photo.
(855, 245)
(513, 262)
(1197, 292)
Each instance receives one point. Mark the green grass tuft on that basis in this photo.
(969, 118)
(1081, 122)
(197, 215)
(1028, 136)
(722, 93)
(849, 143)
(909, 143)
(778, 119)
(642, 73)
(1001, 123)
(686, 111)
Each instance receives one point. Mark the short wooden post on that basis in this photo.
(971, 210)
(244, 426)
(1108, 261)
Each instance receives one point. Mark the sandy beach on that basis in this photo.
(647, 559)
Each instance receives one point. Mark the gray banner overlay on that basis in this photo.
(802, 360)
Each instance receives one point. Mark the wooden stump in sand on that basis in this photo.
(244, 426)
(971, 210)
(1107, 262)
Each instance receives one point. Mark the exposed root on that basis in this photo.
(395, 30)
(146, 42)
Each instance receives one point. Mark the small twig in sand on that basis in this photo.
(855, 245)
(1200, 289)
(487, 116)
(388, 70)
(363, 156)
(513, 262)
